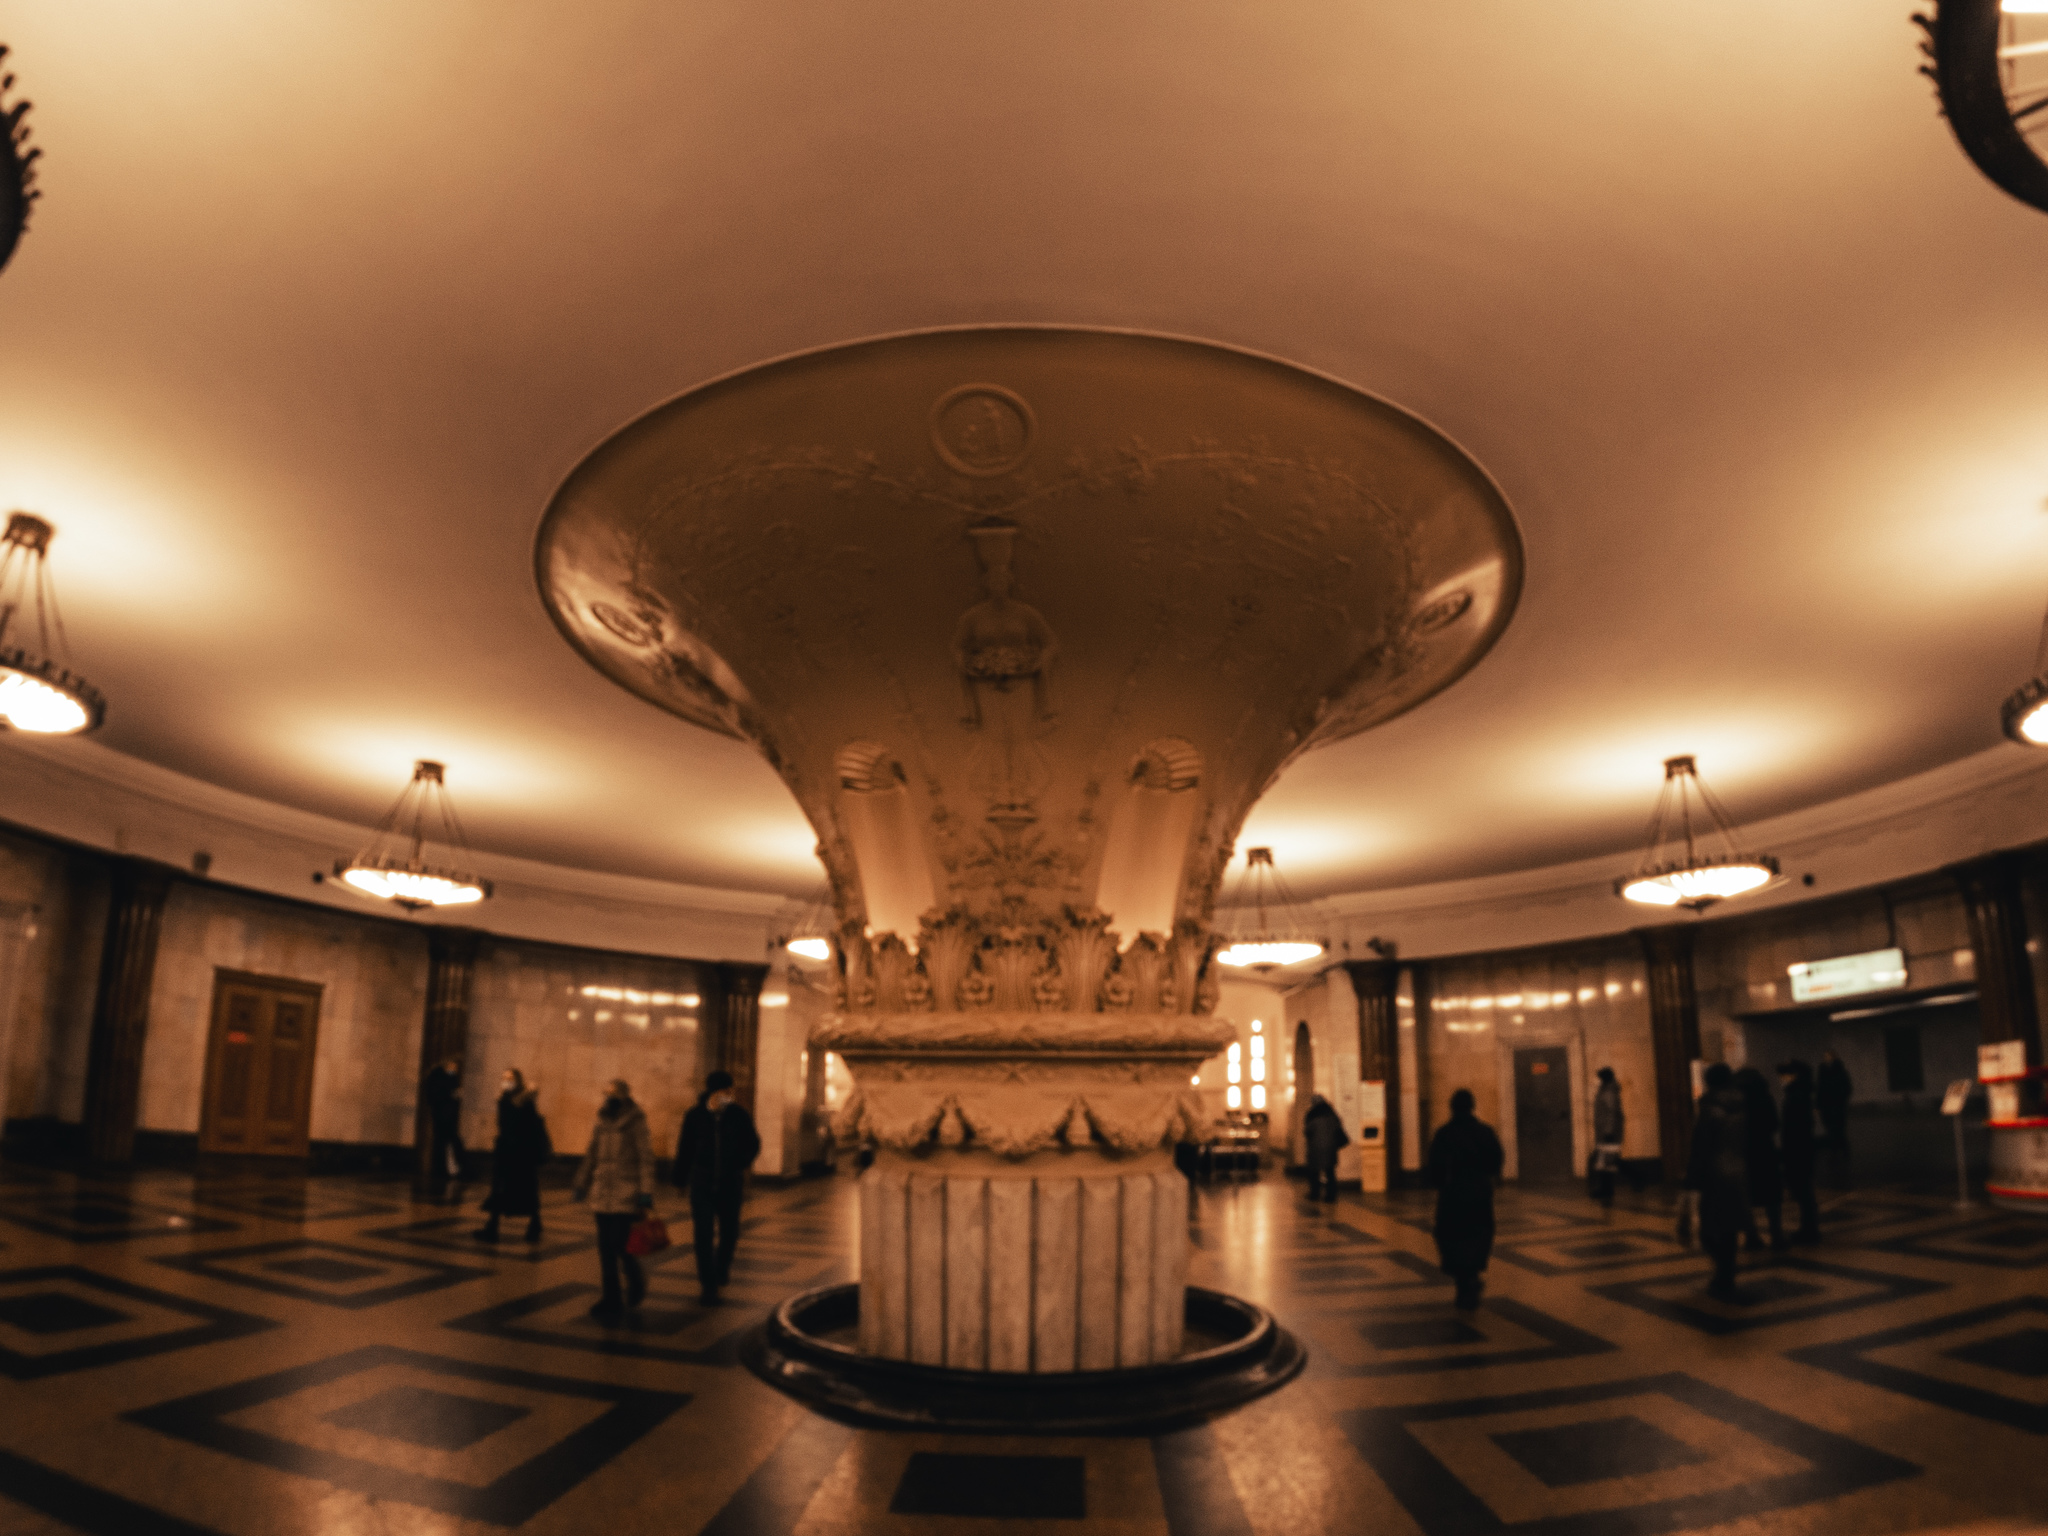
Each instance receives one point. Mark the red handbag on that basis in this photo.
(648, 1236)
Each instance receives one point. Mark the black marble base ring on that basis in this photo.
(791, 1352)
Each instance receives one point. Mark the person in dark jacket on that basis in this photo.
(442, 1094)
(1465, 1161)
(1609, 1125)
(1717, 1172)
(717, 1146)
(1797, 1149)
(1760, 1157)
(1322, 1129)
(1832, 1091)
(517, 1157)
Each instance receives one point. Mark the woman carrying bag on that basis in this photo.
(616, 1177)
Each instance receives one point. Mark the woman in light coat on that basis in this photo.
(617, 1179)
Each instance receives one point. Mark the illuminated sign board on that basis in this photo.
(1882, 970)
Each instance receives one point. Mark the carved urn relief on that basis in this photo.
(1027, 618)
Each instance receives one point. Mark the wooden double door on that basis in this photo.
(259, 1065)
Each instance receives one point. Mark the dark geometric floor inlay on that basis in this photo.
(1421, 1333)
(452, 1234)
(1767, 1298)
(1389, 1269)
(2018, 1353)
(1444, 1506)
(1576, 1252)
(440, 1421)
(89, 1218)
(325, 1271)
(82, 1507)
(998, 1487)
(2023, 1352)
(291, 1204)
(1998, 1241)
(662, 1316)
(512, 1498)
(309, 1260)
(1422, 1326)
(46, 1312)
(1596, 1450)
(39, 1309)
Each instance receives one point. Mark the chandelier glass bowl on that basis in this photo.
(400, 874)
(1275, 936)
(38, 693)
(1675, 872)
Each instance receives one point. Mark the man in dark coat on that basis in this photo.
(1322, 1128)
(1796, 1143)
(1717, 1172)
(1465, 1161)
(1831, 1093)
(517, 1156)
(1760, 1157)
(442, 1093)
(717, 1146)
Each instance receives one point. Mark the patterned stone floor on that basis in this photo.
(253, 1356)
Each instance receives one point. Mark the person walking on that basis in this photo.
(1832, 1091)
(1760, 1158)
(717, 1146)
(442, 1093)
(616, 1177)
(1608, 1125)
(1322, 1129)
(1796, 1144)
(1716, 1172)
(1465, 1161)
(517, 1157)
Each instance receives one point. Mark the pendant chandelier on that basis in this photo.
(1676, 871)
(2024, 715)
(1276, 935)
(17, 168)
(1989, 63)
(810, 936)
(37, 692)
(390, 871)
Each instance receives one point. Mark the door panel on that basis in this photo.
(259, 1073)
(1543, 1113)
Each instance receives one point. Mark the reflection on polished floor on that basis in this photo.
(261, 1355)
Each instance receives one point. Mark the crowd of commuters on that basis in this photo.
(1749, 1152)
(1751, 1149)
(615, 1179)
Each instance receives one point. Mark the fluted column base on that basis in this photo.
(1065, 1261)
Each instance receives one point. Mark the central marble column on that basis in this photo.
(1026, 619)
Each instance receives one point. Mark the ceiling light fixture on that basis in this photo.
(17, 169)
(810, 936)
(37, 692)
(1277, 935)
(407, 880)
(2024, 714)
(1989, 64)
(1669, 877)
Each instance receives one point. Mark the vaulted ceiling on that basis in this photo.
(322, 303)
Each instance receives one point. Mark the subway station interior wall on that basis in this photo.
(53, 911)
(1482, 1008)
(373, 989)
(572, 1020)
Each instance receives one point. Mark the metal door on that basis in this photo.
(1543, 1114)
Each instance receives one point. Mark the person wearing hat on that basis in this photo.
(717, 1146)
